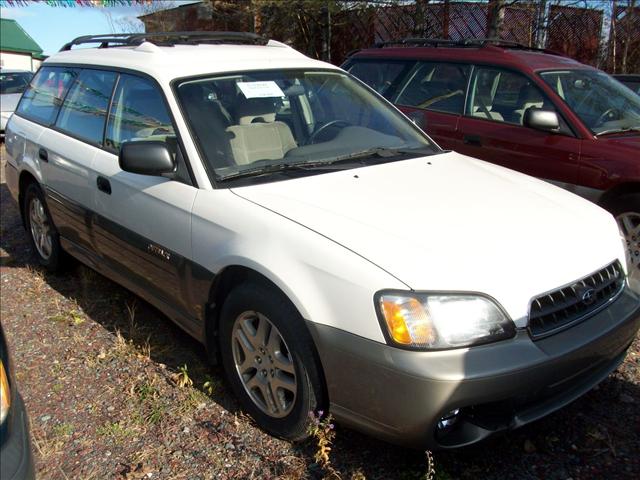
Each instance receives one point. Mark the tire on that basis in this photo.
(42, 233)
(626, 210)
(269, 359)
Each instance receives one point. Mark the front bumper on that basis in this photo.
(16, 461)
(399, 395)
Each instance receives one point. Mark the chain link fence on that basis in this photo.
(602, 33)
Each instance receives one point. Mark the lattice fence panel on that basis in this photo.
(575, 32)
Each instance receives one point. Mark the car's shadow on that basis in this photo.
(596, 429)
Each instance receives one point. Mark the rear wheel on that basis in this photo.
(626, 209)
(43, 236)
(269, 359)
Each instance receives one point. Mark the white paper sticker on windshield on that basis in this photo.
(260, 89)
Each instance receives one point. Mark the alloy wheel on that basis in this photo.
(264, 364)
(40, 228)
(629, 223)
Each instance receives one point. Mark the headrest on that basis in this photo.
(192, 92)
(251, 109)
(529, 94)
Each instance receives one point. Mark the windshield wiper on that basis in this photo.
(619, 130)
(381, 152)
(276, 168)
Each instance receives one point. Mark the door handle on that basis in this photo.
(104, 185)
(43, 155)
(472, 140)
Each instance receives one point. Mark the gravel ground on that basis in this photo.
(99, 370)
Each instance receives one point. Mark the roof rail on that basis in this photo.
(470, 42)
(167, 39)
(430, 42)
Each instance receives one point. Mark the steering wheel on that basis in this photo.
(332, 123)
(610, 114)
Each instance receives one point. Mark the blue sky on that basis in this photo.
(52, 27)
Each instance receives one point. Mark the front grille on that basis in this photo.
(561, 308)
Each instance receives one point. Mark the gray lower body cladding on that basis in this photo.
(400, 395)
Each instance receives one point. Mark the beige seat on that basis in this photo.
(258, 136)
(482, 108)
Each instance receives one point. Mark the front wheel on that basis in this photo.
(42, 233)
(626, 210)
(269, 359)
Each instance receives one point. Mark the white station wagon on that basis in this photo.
(315, 240)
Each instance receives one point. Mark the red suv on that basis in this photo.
(531, 110)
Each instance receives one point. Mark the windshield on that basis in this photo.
(603, 104)
(259, 122)
(15, 82)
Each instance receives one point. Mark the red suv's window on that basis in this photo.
(379, 75)
(503, 96)
(435, 86)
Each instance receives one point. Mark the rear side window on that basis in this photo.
(42, 100)
(138, 112)
(379, 75)
(436, 86)
(85, 108)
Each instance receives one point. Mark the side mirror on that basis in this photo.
(545, 120)
(146, 158)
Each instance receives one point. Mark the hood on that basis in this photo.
(628, 142)
(9, 101)
(452, 223)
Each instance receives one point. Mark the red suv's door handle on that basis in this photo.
(472, 140)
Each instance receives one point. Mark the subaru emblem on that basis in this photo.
(589, 296)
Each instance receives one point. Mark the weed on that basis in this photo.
(131, 316)
(156, 412)
(76, 317)
(120, 346)
(63, 429)
(71, 317)
(116, 431)
(38, 281)
(152, 407)
(322, 431)
(209, 385)
(59, 318)
(181, 378)
(431, 470)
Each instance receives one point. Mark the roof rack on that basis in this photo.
(167, 39)
(470, 42)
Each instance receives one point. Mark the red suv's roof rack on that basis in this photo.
(470, 42)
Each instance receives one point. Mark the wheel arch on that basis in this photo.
(26, 178)
(223, 283)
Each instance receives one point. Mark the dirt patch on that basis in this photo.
(99, 370)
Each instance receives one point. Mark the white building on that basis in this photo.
(17, 49)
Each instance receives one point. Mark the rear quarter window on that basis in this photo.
(43, 98)
(85, 108)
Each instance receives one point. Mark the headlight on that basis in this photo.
(5, 394)
(441, 321)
